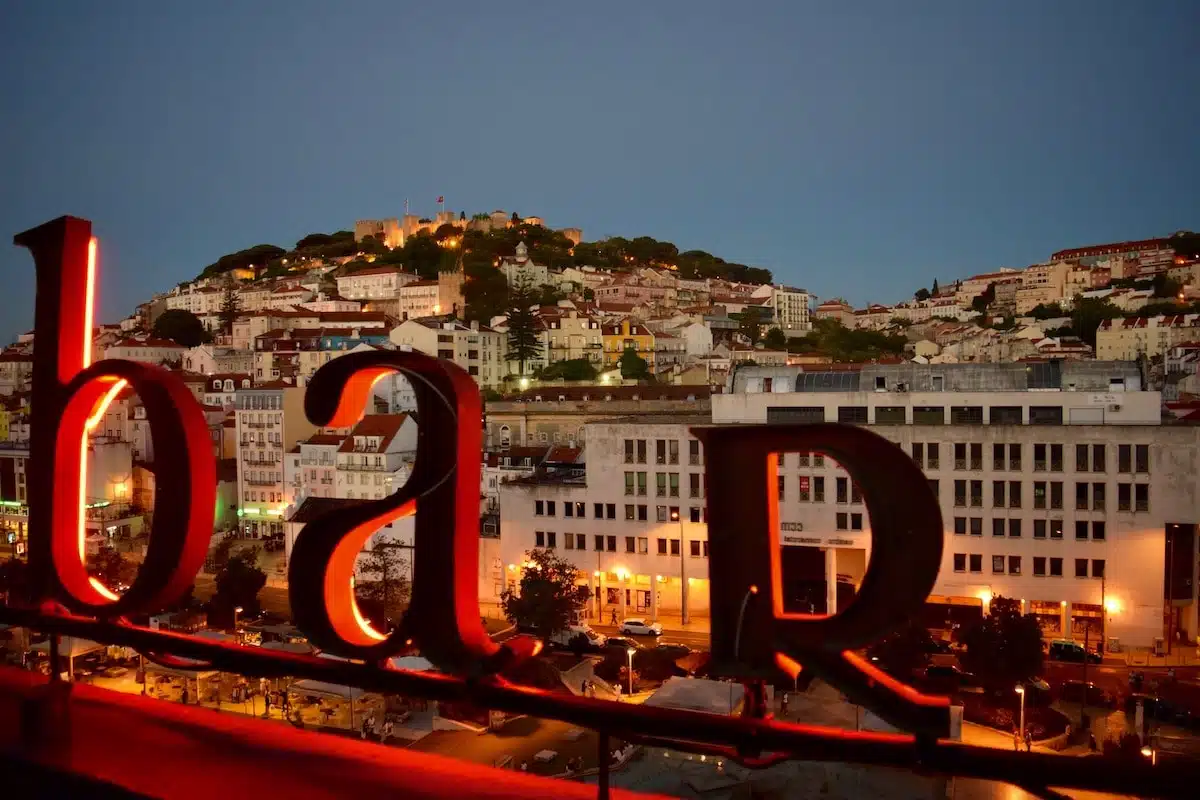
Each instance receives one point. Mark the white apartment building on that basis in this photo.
(970, 288)
(270, 421)
(791, 308)
(311, 467)
(476, 348)
(150, 351)
(322, 304)
(374, 283)
(202, 301)
(286, 297)
(521, 269)
(1058, 484)
(210, 359)
(569, 335)
(376, 457)
(1129, 339)
(418, 299)
(632, 521)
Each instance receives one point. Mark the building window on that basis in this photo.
(1098, 530)
(694, 484)
(977, 494)
(694, 452)
(539, 508)
(694, 548)
(1014, 457)
(550, 508)
(1056, 494)
(630, 544)
(660, 484)
(960, 562)
(998, 526)
(842, 521)
(611, 508)
(628, 452)
(977, 526)
(1142, 459)
(1039, 458)
(1045, 415)
(1081, 529)
(854, 415)
(998, 565)
(856, 522)
(998, 494)
(1081, 458)
(779, 483)
(612, 544)
(1014, 529)
(694, 514)
(1081, 568)
(931, 455)
(1124, 458)
(1014, 494)
(843, 486)
(1098, 496)
(918, 454)
(1056, 529)
(660, 451)
(966, 415)
(598, 540)
(1004, 415)
(1099, 458)
(662, 547)
(674, 547)
(976, 562)
(1141, 497)
(641, 484)
(673, 451)
(890, 415)
(929, 415)
(819, 489)
(643, 545)
(673, 483)
(550, 540)
(933, 487)
(1097, 567)
(1039, 529)
(960, 526)
(998, 460)
(641, 451)
(1056, 567)
(805, 489)
(580, 541)
(1081, 496)
(1039, 565)
(660, 513)
(1014, 565)
(598, 510)
(539, 539)
(960, 493)
(960, 455)
(569, 510)
(629, 511)
(1124, 497)
(1039, 494)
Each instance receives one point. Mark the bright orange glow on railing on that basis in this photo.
(89, 302)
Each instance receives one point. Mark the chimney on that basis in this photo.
(474, 324)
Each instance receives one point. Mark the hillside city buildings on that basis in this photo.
(1064, 471)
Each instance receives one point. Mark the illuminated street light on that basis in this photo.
(630, 652)
(1021, 692)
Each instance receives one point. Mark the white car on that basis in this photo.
(639, 627)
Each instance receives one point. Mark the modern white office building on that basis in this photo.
(1058, 483)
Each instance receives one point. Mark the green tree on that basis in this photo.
(485, 290)
(237, 586)
(981, 302)
(750, 324)
(382, 589)
(111, 568)
(255, 258)
(231, 306)
(524, 342)
(902, 653)
(1047, 311)
(921, 294)
(1005, 647)
(1088, 314)
(422, 255)
(775, 339)
(547, 599)
(575, 369)
(181, 327)
(633, 366)
(14, 581)
(1165, 286)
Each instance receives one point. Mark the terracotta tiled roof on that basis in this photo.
(385, 426)
(324, 439)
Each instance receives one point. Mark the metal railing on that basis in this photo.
(752, 741)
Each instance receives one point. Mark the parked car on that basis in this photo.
(1087, 693)
(622, 642)
(949, 678)
(1067, 650)
(675, 649)
(640, 627)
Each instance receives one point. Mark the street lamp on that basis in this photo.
(237, 610)
(1150, 753)
(630, 653)
(1021, 692)
(683, 580)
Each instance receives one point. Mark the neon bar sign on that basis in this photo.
(752, 636)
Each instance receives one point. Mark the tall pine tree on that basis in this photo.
(524, 344)
(231, 306)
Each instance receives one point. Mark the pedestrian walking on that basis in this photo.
(266, 704)
(783, 709)
(363, 731)
(387, 730)
(1028, 741)
(1016, 741)
(183, 695)
(614, 616)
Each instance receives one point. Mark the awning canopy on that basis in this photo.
(331, 690)
(70, 646)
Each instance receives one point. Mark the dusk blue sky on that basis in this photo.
(857, 148)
